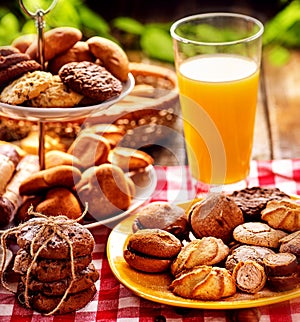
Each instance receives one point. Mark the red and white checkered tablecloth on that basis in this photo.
(114, 302)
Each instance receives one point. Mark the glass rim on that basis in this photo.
(256, 35)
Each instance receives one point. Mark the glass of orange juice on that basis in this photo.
(217, 60)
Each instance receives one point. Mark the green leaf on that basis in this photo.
(93, 23)
(128, 25)
(157, 43)
(11, 23)
(278, 55)
(281, 26)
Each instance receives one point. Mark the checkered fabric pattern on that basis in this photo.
(114, 302)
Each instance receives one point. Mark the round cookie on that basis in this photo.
(49, 270)
(162, 215)
(45, 304)
(243, 253)
(56, 40)
(253, 200)
(26, 87)
(91, 80)
(259, 234)
(111, 55)
(83, 280)
(17, 70)
(79, 52)
(151, 250)
(8, 50)
(217, 215)
(56, 95)
(6, 61)
(81, 239)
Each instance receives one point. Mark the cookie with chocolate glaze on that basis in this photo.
(253, 200)
(90, 80)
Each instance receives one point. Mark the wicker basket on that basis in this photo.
(149, 110)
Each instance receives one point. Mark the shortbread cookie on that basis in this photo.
(282, 214)
(91, 80)
(259, 234)
(204, 283)
(56, 95)
(205, 251)
(17, 70)
(26, 87)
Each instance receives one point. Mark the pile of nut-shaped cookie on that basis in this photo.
(75, 72)
(247, 242)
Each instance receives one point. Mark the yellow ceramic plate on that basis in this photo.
(154, 287)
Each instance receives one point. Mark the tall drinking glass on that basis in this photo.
(217, 60)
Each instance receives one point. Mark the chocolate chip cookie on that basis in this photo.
(90, 80)
(49, 270)
(81, 239)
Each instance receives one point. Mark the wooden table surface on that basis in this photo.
(277, 128)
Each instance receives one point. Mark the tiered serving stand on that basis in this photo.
(57, 114)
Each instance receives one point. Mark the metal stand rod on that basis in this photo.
(38, 16)
(41, 145)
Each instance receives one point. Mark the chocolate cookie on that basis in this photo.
(253, 200)
(8, 50)
(83, 280)
(17, 70)
(81, 239)
(243, 253)
(8, 60)
(47, 270)
(91, 80)
(45, 304)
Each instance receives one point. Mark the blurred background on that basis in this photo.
(141, 25)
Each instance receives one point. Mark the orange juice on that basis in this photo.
(218, 95)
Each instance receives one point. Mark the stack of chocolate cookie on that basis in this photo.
(14, 64)
(54, 261)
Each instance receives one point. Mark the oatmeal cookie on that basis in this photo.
(90, 80)
(56, 95)
(26, 87)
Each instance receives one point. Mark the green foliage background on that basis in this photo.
(281, 33)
